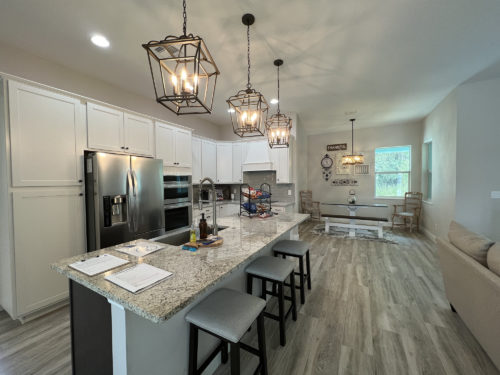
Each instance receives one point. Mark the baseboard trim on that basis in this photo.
(429, 234)
(43, 311)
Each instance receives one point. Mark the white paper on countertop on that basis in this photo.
(99, 264)
(140, 248)
(138, 278)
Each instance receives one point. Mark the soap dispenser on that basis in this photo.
(203, 227)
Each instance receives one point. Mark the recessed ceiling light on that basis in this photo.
(231, 110)
(274, 101)
(100, 41)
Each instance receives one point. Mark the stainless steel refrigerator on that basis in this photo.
(124, 198)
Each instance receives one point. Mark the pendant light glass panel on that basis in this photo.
(184, 73)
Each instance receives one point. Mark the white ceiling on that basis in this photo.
(390, 60)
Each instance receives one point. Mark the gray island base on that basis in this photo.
(146, 333)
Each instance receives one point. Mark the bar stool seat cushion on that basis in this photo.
(271, 268)
(226, 313)
(292, 247)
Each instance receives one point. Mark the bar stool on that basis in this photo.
(227, 315)
(297, 249)
(276, 271)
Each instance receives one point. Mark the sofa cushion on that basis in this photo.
(494, 258)
(473, 244)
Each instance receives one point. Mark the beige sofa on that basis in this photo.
(471, 267)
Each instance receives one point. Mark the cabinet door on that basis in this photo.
(237, 161)
(224, 163)
(183, 148)
(48, 226)
(104, 128)
(282, 170)
(209, 159)
(47, 133)
(138, 135)
(165, 144)
(196, 144)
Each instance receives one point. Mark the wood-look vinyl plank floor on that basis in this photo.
(374, 308)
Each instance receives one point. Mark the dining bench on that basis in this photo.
(352, 225)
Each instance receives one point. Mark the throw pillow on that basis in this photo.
(473, 244)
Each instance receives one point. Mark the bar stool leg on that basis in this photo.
(262, 344)
(293, 295)
(249, 283)
(263, 289)
(301, 285)
(193, 349)
(281, 305)
(224, 354)
(308, 266)
(235, 358)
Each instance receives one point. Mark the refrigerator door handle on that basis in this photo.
(130, 201)
(136, 202)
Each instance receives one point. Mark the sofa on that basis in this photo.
(470, 264)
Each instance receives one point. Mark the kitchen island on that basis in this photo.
(145, 333)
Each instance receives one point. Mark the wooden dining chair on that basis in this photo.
(308, 206)
(409, 211)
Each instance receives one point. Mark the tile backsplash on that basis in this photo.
(279, 192)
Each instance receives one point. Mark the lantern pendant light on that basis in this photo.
(248, 108)
(183, 71)
(278, 126)
(353, 158)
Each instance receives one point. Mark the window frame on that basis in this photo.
(408, 172)
(428, 169)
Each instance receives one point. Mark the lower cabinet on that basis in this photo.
(48, 226)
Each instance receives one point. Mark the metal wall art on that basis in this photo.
(345, 182)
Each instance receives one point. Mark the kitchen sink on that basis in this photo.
(180, 238)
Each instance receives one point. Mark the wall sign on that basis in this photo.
(336, 147)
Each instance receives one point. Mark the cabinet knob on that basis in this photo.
(80, 181)
(123, 148)
(81, 194)
(126, 148)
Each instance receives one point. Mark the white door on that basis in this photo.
(48, 226)
(138, 135)
(209, 159)
(237, 161)
(104, 128)
(196, 145)
(282, 168)
(47, 132)
(224, 162)
(165, 144)
(183, 148)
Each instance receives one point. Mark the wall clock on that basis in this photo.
(326, 162)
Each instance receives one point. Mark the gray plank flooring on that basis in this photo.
(375, 308)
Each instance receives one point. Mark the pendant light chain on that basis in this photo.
(184, 15)
(278, 89)
(249, 85)
(352, 137)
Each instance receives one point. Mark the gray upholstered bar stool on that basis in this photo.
(297, 249)
(227, 314)
(275, 271)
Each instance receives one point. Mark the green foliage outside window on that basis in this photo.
(392, 171)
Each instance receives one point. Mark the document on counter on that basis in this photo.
(99, 264)
(140, 248)
(138, 278)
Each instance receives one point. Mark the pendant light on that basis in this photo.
(278, 126)
(353, 158)
(183, 71)
(248, 108)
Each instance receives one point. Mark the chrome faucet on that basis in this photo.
(214, 203)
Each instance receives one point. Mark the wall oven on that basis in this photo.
(177, 195)
(177, 216)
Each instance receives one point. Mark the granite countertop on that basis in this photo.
(193, 272)
(236, 201)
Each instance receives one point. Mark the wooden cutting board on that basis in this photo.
(200, 243)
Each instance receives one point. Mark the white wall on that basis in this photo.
(478, 157)
(440, 126)
(19, 63)
(300, 162)
(366, 141)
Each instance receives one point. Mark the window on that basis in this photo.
(427, 170)
(392, 171)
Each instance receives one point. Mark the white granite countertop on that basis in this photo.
(193, 272)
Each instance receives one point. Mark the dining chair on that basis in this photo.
(409, 211)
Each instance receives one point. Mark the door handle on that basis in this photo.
(130, 188)
(136, 202)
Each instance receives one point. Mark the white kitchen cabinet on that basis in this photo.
(48, 226)
(224, 163)
(138, 135)
(281, 159)
(110, 129)
(173, 146)
(237, 161)
(209, 159)
(47, 136)
(196, 160)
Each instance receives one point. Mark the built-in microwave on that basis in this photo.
(177, 189)
(177, 216)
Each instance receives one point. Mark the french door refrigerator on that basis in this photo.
(124, 198)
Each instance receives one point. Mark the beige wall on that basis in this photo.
(19, 63)
(440, 127)
(366, 140)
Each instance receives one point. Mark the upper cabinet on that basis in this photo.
(209, 159)
(237, 161)
(224, 163)
(173, 146)
(196, 160)
(282, 163)
(47, 135)
(113, 130)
